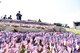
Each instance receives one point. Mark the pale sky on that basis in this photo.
(63, 11)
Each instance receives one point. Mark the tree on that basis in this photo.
(66, 25)
(58, 24)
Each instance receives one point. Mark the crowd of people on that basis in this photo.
(18, 15)
(39, 42)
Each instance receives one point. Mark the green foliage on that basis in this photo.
(73, 30)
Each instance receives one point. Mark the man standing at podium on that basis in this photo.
(18, 15)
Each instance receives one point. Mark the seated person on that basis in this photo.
(5, 17)
(10, 17)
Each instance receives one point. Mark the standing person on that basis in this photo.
(18, 15)
(39, 20)
(22, 49)
(1, 17)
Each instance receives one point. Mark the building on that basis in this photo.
(76, 25)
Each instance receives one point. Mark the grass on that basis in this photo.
(73, 30)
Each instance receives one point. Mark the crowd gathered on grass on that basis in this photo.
(39, 42)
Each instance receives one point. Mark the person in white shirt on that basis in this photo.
(69, 49)
(35, 50)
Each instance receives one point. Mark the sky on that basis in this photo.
(51, 11)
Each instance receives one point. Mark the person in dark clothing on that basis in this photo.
(41, 43)
(15, 30)
(22, 49)
(10, 17)
(24, 37)
(5, 17)
(18, 16)
(39, 20)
